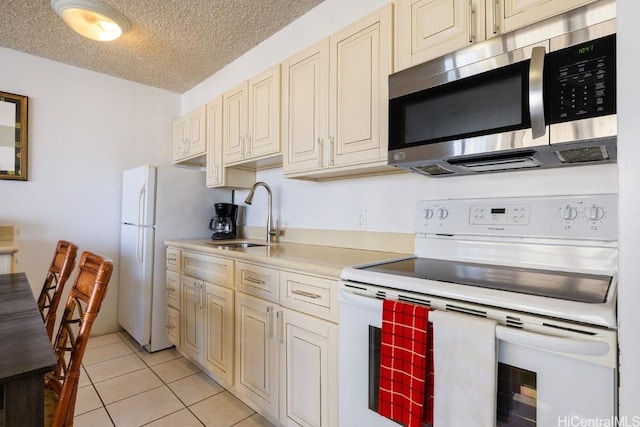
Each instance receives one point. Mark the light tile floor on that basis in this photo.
(123, 385)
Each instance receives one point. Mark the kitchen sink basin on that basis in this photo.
(235, 245)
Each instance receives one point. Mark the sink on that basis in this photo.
(235, 245)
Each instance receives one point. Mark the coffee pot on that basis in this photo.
(223, 224)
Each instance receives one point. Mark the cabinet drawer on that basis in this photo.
(173, 325)
(209, 268)
(173, 259)
(313, 295)
(173, 289)
(258, 281)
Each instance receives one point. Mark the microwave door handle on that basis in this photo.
(536, 90)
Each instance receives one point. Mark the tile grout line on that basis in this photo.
(137, 350)
(164, 384)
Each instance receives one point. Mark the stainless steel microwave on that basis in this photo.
(546, 104)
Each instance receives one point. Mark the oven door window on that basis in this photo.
(491, 102)
(516, 397)
(516, 402)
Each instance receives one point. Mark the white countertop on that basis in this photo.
(325, 260)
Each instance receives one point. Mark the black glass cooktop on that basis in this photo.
(589, 288)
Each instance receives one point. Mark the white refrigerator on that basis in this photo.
(158, 204)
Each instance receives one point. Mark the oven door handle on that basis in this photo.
(361, 300)
(553, 343)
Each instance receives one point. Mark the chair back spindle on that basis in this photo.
(82, 308)
(59, 271)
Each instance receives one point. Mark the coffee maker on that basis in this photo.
(223, 224)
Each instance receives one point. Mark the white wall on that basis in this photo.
(84, 129)
(389, 200)
(629, 154)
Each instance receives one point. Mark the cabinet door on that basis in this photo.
(305, 109)
(519, 13)
(173, 259)
(173, 289)
(358, 93)
(189, 139)
(427, 29)
(214, 146)
(180, 137)
(263, 137)
(173, 326)
(218, 333)
(310, 377)
(197, 135)
(191, 317)
(234, 125)
(256, 353)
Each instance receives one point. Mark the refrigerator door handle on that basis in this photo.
(140, 213)
(140, 218)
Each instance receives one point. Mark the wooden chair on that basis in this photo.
(83, 305)
(59, 271)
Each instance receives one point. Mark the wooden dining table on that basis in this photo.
(26, 353)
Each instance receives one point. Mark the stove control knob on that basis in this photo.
(594, 213)
(428, 213)
(443, 213)
(569, 213)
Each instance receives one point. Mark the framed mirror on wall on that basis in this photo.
(13, 136)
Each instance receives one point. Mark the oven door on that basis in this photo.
(543, 379)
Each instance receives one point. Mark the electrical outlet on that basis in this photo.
(362, 219)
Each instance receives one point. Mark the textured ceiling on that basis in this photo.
(172, 44)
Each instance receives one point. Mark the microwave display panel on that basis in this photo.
(581, 81)
(495, 101)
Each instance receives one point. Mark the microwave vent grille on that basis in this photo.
(584, 154)
(431, 170)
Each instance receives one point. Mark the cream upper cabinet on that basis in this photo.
(345, 132)
(215, 170)
(217, 174)
(189, 137)
(514, 14)
(251, 119)
(305, 89)
(427, 29)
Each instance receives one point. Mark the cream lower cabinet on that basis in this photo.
(286, 359)
(191, 335)
(173, 295)
(207, 314)
(173, 306)
(336, 102)
(257, 353)
(309, 370)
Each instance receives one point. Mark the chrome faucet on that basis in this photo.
(272, 232)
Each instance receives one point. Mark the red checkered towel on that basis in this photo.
(406, 364)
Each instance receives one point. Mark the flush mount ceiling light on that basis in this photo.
(92, 18)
